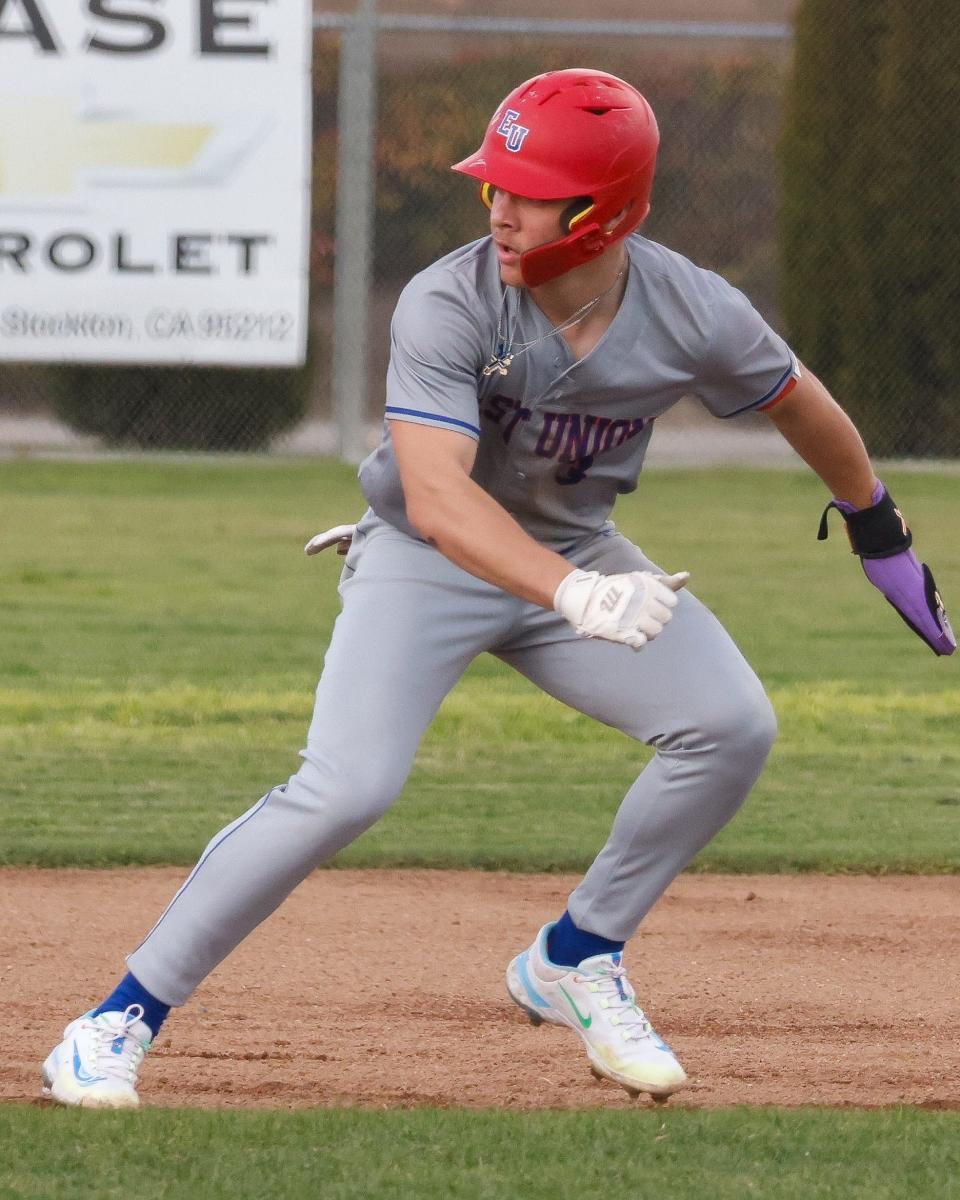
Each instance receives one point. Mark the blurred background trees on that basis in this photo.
(870, 224)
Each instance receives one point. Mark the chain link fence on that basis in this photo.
(718, 95)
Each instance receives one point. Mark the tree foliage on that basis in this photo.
(713, 195)
(870, 226)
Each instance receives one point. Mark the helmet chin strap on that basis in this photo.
(552, 259)
(546, 262)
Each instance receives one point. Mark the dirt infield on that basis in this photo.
(381, 988)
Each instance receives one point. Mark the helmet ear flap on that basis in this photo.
(486, 194)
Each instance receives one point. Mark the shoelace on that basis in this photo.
(123, 1063)
(630, 1017)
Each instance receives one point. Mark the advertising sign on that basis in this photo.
(154, 180)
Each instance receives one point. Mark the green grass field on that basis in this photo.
(162, 634)
(433, 1155)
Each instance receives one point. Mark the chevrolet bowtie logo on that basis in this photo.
(44, 146)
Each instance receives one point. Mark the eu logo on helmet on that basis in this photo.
(514, 134)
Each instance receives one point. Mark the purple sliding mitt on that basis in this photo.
(879, 535)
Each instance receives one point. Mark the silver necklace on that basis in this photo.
(502, 358)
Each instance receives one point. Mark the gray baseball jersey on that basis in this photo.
(560, 438)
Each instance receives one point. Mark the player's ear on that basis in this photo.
(615, 221)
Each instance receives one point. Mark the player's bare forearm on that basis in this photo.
(826, 439)
(471, 529)
(464, 522)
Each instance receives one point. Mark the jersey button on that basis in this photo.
(521, 475)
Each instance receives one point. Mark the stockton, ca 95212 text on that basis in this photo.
(159, 324)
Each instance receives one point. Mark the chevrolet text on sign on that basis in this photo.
(154, 180)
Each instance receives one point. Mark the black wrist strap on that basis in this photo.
(875, 532)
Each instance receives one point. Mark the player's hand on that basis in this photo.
(631, 608)
(908, 585)
(340, 536)
(880, 537)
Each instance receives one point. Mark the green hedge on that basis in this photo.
(180, 408)
(870, 221)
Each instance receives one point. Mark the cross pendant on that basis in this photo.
(498, 365)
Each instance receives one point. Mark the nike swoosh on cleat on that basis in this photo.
(586, 1022)
(80, 1073)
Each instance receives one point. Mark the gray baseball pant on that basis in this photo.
(411, 623)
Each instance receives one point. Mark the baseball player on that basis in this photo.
(527, 370)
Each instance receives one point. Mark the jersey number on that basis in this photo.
(576, 471)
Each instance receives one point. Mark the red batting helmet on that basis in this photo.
(580, 135)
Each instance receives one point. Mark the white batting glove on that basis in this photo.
(631, 608)
(340, 536)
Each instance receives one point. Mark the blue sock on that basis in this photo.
(131, 991)
(568, 946)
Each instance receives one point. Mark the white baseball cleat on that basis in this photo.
(597, 1000)
(96, 1064)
